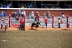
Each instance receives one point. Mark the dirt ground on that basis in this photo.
(36, 39)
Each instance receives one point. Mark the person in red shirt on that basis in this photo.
(46, 21)
(22, 24)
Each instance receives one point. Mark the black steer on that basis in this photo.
(35, 24)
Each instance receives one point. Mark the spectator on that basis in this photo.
(69, 5)
(34, 5)
(19, 12)
(45, 5)
(27, 4)
(28, 15)
(32, 14)
(22, 13)
(44, 15)
(4, 13)
(8, 6)
(54, 6)
(22, 6)
(63, 15)
(4, 6)
(48, 15)
(0, 14)
(13, 15)
(1, 5)
(31, 5)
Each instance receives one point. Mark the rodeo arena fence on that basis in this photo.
(52, 22)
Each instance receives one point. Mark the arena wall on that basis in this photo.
(56, 12)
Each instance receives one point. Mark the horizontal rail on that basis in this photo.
(36, 8)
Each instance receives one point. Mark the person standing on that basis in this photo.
(22, 24)
(37, 17)
(59, 22)
(46, 21)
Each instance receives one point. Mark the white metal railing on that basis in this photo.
(35, 9)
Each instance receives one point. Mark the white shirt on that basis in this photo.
(32, 14)
(63, 15)
(22, 12)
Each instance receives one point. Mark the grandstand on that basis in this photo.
(36, 4)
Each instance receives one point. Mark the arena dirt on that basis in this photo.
(36, 39)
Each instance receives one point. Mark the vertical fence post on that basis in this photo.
(9, 19)
(67, 20)
(24, 21)
(52, 20)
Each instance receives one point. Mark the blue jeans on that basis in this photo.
(58, 25)
(46, 25)
(22, 26)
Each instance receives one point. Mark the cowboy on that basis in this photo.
(37, 17)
